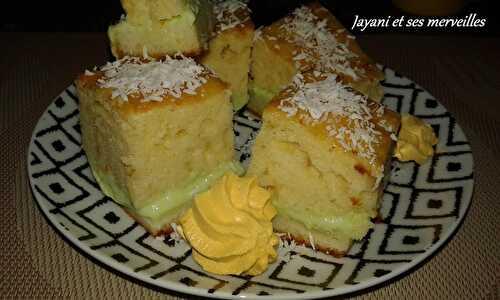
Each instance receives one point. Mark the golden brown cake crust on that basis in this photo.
(165, 230)
(310, 38)
(135, 103)
(280, 42)
(383, 149)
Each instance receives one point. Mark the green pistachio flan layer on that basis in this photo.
(171, 200)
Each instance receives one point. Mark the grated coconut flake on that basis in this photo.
(329, 101)
(152, 80)
(311, 241)
(321, 47)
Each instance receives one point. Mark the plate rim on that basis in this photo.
(121, 270)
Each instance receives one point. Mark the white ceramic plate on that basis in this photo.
(422, 207)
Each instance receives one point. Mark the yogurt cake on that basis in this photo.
(162, 27)
(156, 133)
(229, 49)
(324, 150)
(310, 38)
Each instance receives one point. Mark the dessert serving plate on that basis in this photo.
(421, 209)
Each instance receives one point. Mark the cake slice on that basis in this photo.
(155, 134)
(229, 49)
(310, 38)
(162, 27)
(324, 149)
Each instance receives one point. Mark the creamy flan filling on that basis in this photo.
(171, 200)
(351, 224)
(110, 187)
(176, 197)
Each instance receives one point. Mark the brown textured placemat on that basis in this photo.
(35, 262)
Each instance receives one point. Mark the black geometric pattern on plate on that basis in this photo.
(421, 207)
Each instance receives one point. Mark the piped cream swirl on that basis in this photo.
(230, 229)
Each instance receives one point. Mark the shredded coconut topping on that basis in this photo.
(383, 123)
(329, 101)
(176, 236)
(226, 13)
(177, 233)
(287, 247)
(311, 241)
(394, 137)
(257, 34)
(321, 47)
(152, 80)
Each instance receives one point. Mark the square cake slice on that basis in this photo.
(155, 134)
(229, 49)
(162, 27)
(324, 149)
(310, 38)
